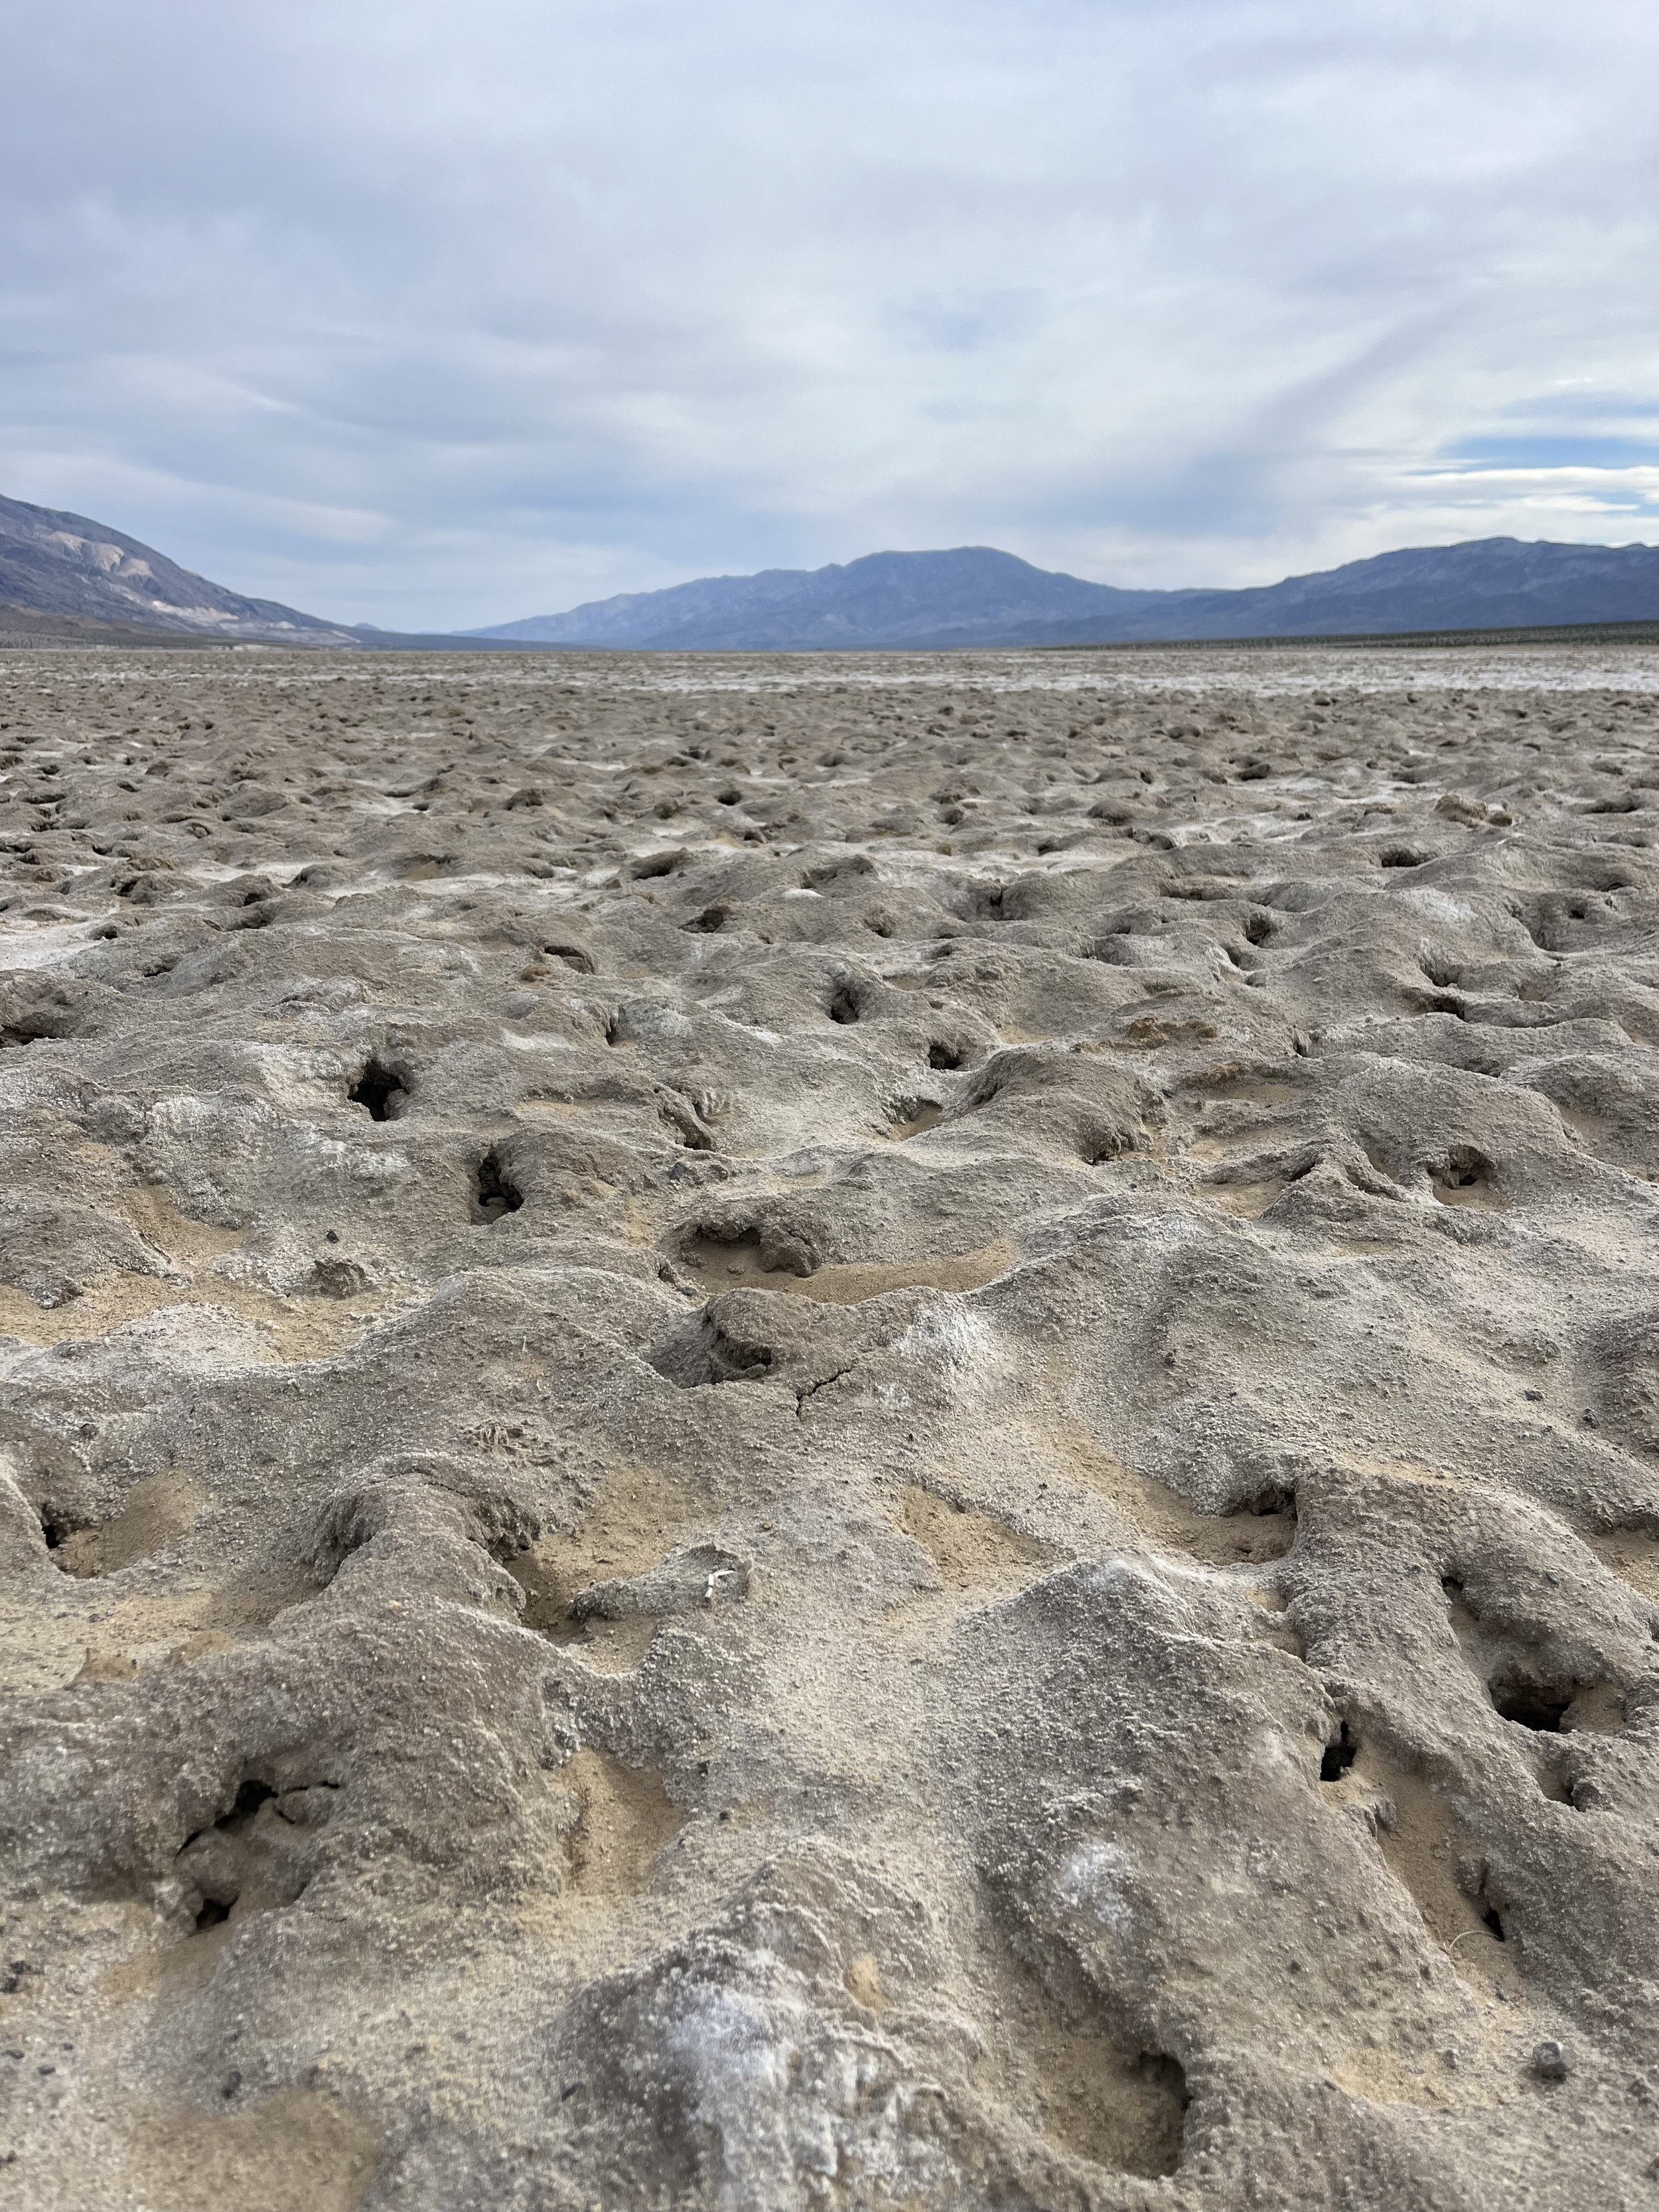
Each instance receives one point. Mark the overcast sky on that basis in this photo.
(432, 315)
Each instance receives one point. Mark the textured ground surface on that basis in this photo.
(806, 1434)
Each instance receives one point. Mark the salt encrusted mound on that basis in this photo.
(775, 1440)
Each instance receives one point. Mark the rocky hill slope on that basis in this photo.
(65, 565)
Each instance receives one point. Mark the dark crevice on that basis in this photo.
(1168, 2078)
(495, 1193)
(229, 1862)
(811, 1390)
(944, 1056)
(844, 1005)
(250, 1796)
(1339, 1755)
(60, 1528)
(1272, 1497)
(1515, 1669)
(1465, 1169)
(1539, 1705)
(378, 1091)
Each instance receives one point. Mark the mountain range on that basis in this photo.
(976, 596)
(63, 576)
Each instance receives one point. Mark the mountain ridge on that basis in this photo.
(977, 595)
(66, 570)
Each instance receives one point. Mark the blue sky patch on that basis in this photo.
(1554, 452)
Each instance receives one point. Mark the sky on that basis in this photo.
(434, 316)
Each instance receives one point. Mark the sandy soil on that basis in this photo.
(804, 1433)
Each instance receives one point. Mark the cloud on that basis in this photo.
(426, 316)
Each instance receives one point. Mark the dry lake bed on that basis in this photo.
(855, 1432)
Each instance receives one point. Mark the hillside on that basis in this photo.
(65, 565)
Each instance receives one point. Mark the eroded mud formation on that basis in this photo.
(792, 1435)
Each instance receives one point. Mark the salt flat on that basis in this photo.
(830, 1432)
